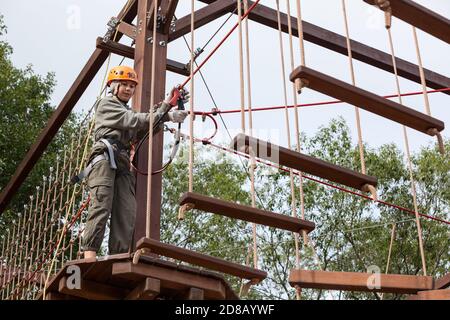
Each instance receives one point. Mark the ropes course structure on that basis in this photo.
(42, 246)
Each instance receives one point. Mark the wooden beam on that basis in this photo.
(443, 282)
(202, 17)
(421, 17)
(127, 29)
(366, 100)
(354, 281)
(91, 290)
(301, 162)
(147, 290)
(200, 259)
(335, 42)
(171, 278)
(141, 103)
(128, 52)
(246, 213)
(169, 14)
(196, 294)
(61, 113)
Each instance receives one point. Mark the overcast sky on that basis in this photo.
(59, 36)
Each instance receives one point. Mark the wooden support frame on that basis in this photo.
(202, 260)
(195, 294)
(127, 29)
(301, 162)
(420, 17)
(202, 17)
(91, 290)
(141, 103)
(335, 42)
(61, 113)
(366, 100)
(149, 289)
(364, 282)
(171, 278)
(128, 52)
(246, 213)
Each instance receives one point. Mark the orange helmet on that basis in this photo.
(122, 73)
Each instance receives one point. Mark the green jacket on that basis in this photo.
(115, 120)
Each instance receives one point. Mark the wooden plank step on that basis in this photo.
(354, 281)
(203, 260)
(421, 17)
(366, 100)
(442, 294)
(295, 160)
(246, 213)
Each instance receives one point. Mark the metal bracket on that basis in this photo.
(112, 25)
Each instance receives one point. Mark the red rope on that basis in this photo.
(330, 185)
(320, 103)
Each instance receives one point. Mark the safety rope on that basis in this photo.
(423, 81)
(287, 124)
(314, 104)
(352, 73)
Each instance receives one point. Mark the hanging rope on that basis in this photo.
(250, 122)
(423, 81)
(408, 155)
(391, 243)
(291, 175)
(352, 73)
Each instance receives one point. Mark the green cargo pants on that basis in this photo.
(112, 194)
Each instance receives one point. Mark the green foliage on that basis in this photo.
(352, 233)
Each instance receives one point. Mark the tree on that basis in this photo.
(24, 111)
(351, 233)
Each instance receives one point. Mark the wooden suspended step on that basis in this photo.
(354, 281)
(202, 260)
(295, 160)
(442, 294)
(246, 213)
(366, 100)
(421, 17)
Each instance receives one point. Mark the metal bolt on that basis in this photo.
(162, 43)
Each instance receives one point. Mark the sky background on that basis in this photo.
(59, 36)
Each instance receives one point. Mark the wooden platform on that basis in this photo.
(295, 160)
(117, 278)
(203, 260)
(421, 17)
(354, 281)
(246, 213)
(366, 100)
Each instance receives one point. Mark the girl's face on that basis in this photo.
(126, 90)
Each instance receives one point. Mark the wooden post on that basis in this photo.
(141, 103)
